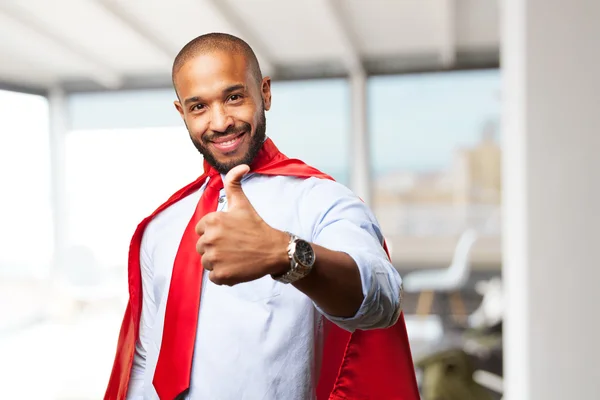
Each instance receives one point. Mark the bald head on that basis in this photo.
(215, 42)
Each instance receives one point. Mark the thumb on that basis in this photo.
(233, 186)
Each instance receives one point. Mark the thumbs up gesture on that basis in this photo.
(238, 245)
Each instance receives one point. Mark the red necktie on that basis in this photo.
(173, 369)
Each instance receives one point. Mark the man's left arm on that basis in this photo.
(353, 282)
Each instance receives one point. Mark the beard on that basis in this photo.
(256, 141)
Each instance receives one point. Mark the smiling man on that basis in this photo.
(264, 278)
(222, 100)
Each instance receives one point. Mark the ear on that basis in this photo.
(179, 108)
(265, 92)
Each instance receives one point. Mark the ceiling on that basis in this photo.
(89, 45)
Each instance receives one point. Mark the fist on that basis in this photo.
(238, 245)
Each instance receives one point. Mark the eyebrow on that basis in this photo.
(234, 88)
(226, 91)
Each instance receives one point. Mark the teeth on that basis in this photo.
(227, 143)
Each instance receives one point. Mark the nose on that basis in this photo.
(220, 120)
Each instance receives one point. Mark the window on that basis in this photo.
(310, 120)
(115, 178)
(436, 161)
(25, 215)
(26, 240)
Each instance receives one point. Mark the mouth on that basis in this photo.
(229, 143)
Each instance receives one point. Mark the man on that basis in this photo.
(236, 280)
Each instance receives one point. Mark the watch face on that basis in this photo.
(304, 253)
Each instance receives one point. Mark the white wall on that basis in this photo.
(551, 61)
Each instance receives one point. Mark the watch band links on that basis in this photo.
(297, 271)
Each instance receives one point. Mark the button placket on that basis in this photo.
(222, 202)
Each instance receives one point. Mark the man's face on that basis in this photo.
(223, 108)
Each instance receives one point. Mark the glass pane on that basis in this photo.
(310, 120)
(436, 161)
(25, 215)
(26, 242)
(115, 178)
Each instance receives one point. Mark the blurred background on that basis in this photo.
(463, 161)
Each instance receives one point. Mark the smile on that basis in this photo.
(229, 143)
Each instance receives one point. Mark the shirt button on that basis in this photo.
(221, 199)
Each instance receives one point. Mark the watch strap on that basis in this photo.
(297, 270)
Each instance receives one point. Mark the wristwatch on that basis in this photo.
(302, 258)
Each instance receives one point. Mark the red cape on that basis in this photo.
(365, 365)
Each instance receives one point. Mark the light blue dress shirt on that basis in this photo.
(263, 339)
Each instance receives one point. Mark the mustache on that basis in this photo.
(232, 130)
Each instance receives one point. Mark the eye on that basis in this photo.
(235, 97)
(197, 107)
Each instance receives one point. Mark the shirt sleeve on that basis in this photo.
(136, 381)
(341, 221)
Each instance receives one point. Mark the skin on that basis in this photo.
(219, 99)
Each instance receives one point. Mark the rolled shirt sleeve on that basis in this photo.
(341, 221)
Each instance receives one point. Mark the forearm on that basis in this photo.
(353, 283)
(337, 287)
(334, 283)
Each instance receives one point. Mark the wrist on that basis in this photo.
(301, 258)
(280, 261)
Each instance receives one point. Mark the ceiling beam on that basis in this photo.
(448, 33)
(21, 88)
(350, 54)
(237, 24)
(116, 9)
(404, 64)
(98, 70)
